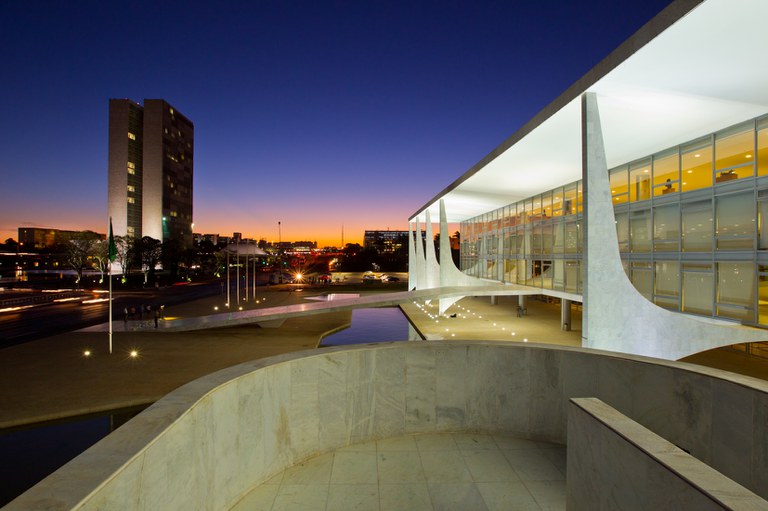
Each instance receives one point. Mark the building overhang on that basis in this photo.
(689, 71)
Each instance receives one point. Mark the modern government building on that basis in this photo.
(653, 165)
(640, 193)
(151, 161)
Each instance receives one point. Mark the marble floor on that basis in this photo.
(422, 472)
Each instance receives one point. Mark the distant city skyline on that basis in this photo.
(311, 114)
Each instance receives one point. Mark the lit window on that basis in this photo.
(131, 171)
(131, 165)
(131, 200)
(131, 188)
(171, 111)
(131, 136)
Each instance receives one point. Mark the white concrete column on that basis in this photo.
(411, 259)
(421, 270)
(432, 273)
(616, 316)
(450, 275)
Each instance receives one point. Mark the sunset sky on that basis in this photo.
(314, 114)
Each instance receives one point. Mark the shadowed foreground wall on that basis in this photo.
(211, 441)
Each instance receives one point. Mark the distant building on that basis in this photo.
(213, 238)
(386, 242)
(36, 238)
(151, 151)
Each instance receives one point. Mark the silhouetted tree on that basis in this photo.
(146, 254)
(171, 257)
(76, 253)
(100, 253)
(123, 245)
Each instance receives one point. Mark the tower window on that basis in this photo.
(131, 136)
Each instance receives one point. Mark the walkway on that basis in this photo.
(275, 315)
(422, 472)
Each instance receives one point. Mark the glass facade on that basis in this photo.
(691, 225)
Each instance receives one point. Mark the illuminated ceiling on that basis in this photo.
(701, 74)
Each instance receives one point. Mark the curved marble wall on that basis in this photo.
(206, 444)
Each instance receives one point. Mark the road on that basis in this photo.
(50, 319)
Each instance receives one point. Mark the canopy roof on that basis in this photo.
(693, 69)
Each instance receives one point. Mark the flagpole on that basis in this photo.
(109, 274)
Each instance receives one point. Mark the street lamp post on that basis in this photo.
(279, 253)
(237, 271)
(247, 245)
(229, 287)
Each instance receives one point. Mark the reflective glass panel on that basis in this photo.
(514, 216)
(619, 184)
(762, 226)
(735, 221)
(666, 173)
(579, 197)
(762, 295)
(762, 147)
(569, 205)
(642, 278)
(510, 270)
(736, 290)
(536, 209)
(537, 235)
(667, 278)
(547, 238)
(546, 205)
(572, 276)
(698, 288)
(509, 244)
(622, 231)
(559, 275)
(640, 181)
(557, 202)
(696, 165)
(698, 226)
(666, 228)
(547, 272)
(522, 264)
(733, 149)
(640, 230)
(571, 238)
(558, 246)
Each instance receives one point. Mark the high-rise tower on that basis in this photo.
(150, 170)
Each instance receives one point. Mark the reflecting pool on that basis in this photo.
(382, 324)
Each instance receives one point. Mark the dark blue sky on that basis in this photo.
(314, 114)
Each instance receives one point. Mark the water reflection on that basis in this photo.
(383, 324)
(32, 453)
